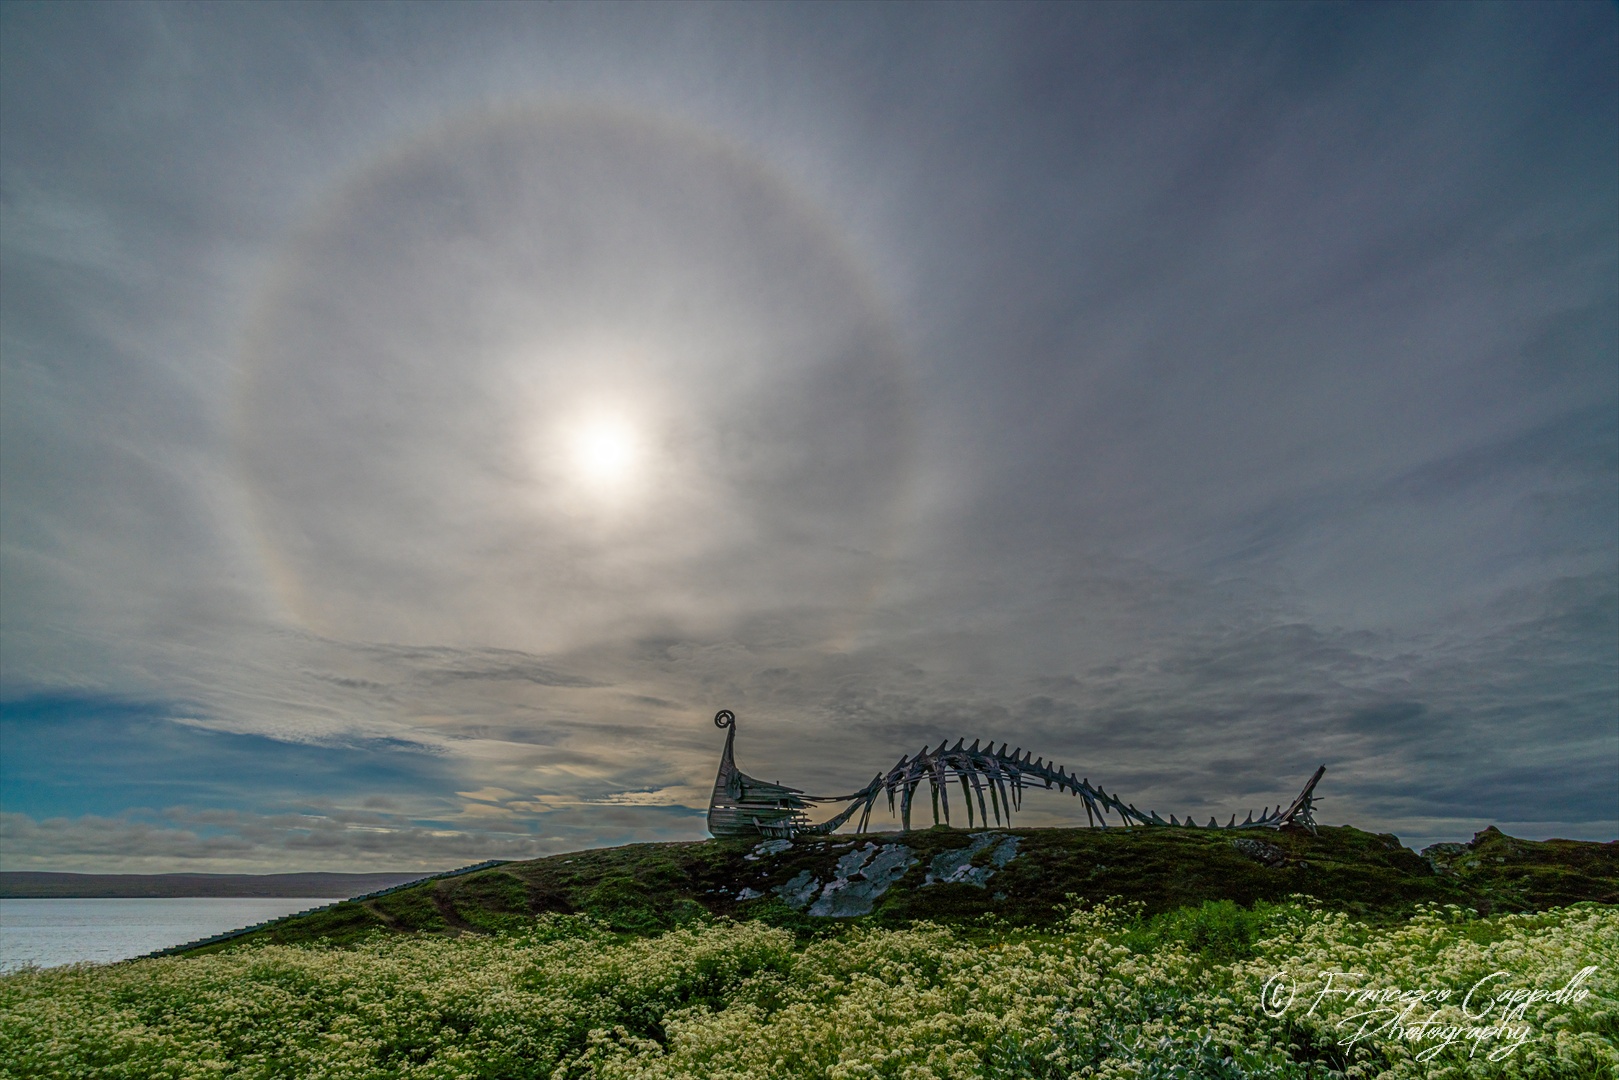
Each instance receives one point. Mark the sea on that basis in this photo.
(49, 933)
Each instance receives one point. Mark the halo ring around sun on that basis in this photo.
(542, 377)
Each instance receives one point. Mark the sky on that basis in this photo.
(417, 420)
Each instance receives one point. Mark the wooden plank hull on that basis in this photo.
(743, 806)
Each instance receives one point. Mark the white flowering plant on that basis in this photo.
(1286, 991)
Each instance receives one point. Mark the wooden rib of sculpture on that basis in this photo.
(743, 806)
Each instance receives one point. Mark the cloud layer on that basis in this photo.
(418, 421)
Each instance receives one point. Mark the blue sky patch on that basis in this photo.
(65, 756)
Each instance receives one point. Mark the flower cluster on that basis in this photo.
(566, 999)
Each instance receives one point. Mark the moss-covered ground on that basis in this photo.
(646, 888)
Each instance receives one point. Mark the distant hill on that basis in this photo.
(41, 885)
(1023, 876)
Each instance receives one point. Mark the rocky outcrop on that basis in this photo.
(1261, 852)
(858, 880)
(958, 867)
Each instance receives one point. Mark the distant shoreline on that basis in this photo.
(48, 885)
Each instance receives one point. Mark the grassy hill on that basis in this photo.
(1024, 877)
(816, 975)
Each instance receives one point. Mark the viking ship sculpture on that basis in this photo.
(743, 806)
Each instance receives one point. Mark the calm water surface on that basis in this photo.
(52, 932)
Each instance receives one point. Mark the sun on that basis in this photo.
(605, 451)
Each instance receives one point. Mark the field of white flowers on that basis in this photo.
(1213, 993)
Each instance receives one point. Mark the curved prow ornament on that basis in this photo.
(743, 806)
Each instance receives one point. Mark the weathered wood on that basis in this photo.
(743, 806)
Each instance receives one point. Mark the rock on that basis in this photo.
(955, 867)
(769, 847)
(1442, 857)
(862, 877)
(1259, 851)
(799, 891)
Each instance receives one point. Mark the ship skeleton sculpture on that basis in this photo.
(743, 806)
